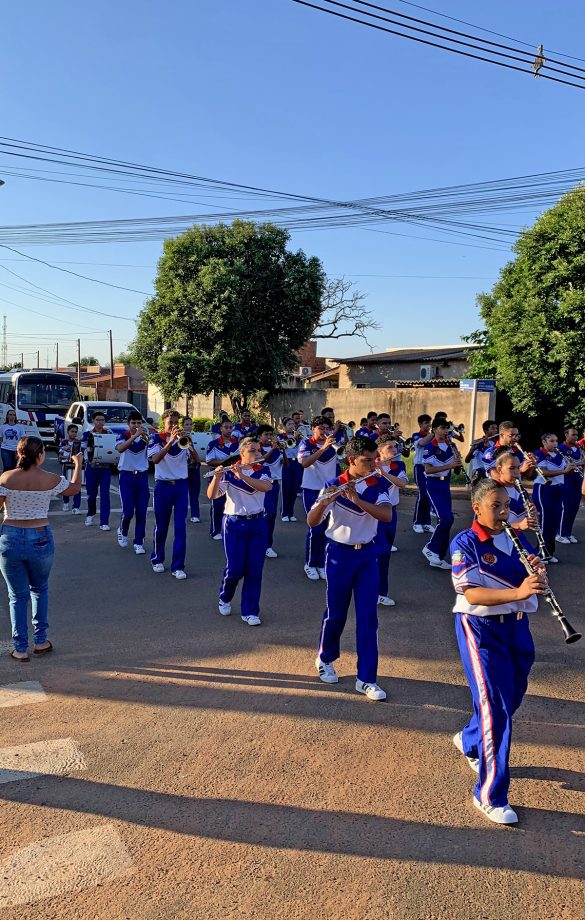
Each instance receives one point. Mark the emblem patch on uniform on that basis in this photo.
(458, 558)
(489, 558)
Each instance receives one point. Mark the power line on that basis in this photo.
(69, 272)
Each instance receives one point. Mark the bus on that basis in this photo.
(38, 395)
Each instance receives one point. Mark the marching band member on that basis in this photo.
(245, 427)
(454, 433)
(351, 518)
(303, 430)
(216, 427)
(318, 459)
(548, 495)
(494, 640)
(477, 448)
(393, 471)
(383, 425)
(337, 429)
(508, 436)
(65, 459)
(505, 472)
(98, 477)
(422, 509)
(133, 481)
(572, 485)
(10, 434)
(217, 452)
(273, 458)
(291, 471)
(194, 470)
(439, 460)
(369, 430)
(171, 494)
(245, 485)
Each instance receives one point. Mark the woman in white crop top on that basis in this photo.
(26, 542)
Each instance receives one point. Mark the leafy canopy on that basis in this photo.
(231, 308)
(534, 333)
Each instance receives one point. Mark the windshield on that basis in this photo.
(114, 414)
(45, 393)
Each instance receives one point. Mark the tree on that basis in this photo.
(125, 357)
(86, 361)
(342, 313)
(231, 307)
(534, 337)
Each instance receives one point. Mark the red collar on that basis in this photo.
(481, 532)
(223, 442)
(316, 443)
(345, 478)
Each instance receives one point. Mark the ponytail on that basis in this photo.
(28, 450)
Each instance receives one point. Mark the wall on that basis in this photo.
(199, 406)
(380, 374)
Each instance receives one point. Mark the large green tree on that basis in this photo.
(231, 307)
(534, 336)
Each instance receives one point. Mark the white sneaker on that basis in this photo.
(472, 761)
(158, 567)
(560, 539)
(195, 520)
(573, 539)
(502, 814)
(105, 527)
(386, 601)
(225, 608)
(292, 519)
(418, 528)
(65, 506)
(322, 574)
(285, 520)
(88, 521)
(326, 671)
(252, 620)
(428, 528)
(271, 553)
(122, 540)
(139, 549)
(372, 691)
(553, 560)
(218, 536)
(179, 574)
(76, 511)
(311, 573)
(394, 549)
(435, 560)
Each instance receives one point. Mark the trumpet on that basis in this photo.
(340, 450)
(290, 442)
(142, 435)
(184, 441)
(570, 634)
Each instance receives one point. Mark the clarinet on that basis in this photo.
(570, 634)
(544, 553)
(461, 467)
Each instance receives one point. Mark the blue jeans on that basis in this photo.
(26, 557)
(8, 459)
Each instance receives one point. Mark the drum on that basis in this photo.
(101, 449)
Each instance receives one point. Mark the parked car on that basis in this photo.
(81, 414)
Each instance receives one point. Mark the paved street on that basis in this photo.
(166, 762)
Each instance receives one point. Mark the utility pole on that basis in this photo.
(4, 343)
(39, 358)
(111, 359)
(78, 363)
(22, 359)
(56, 356)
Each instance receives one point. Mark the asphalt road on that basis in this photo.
(166, 762)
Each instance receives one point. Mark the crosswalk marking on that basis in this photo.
(55, 757)
(21, 694)
(56, 865)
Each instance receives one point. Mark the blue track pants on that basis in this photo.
(170, 500)
(244, 541)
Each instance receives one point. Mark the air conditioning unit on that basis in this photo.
(305, 371)
(427, 372)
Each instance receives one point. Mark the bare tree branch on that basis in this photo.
(343, 314)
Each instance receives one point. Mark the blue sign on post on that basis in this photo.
(483, 386)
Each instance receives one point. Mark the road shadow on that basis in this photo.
(571, 780)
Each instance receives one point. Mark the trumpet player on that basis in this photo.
(393, 471)
(194, 471)
(246, 426)
(218, 451)
(553, 468)
(133, 481)
(171, 494)
(477, 448)
(318, 458)
(422, 509)
(337, 429)
(273, 458)
(291, 470)
(351, 519)
(439, 461)
(572, 485)
(508, 436)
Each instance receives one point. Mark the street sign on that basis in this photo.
(483, 386)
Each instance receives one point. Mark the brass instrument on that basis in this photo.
(291, 442)
(340, 450)
(142, 435)
(184, 441)
(570, 634)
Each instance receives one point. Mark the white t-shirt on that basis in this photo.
(11, 435)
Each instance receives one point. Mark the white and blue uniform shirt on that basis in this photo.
(484, 560)
(322, 470)
(346, 523)
(477, 464)
(242, 431)
(240, 498)
(438, 454)
(11, 435)
(173, 465)
(133, 459)
(547, 461)
(517, 509)
(366, 432)
(489, 456)
(419, 450)
(572, 453)
(398, 469)
(220, 449)
(272, 457)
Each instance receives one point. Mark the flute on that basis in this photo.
(570, 634)
(227, 467)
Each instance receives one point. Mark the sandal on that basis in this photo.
(44, 651)
(17, 657)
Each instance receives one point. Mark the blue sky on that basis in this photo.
(269, 93)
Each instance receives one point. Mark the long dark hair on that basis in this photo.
(28, 450)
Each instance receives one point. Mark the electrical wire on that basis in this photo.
(69, 272)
